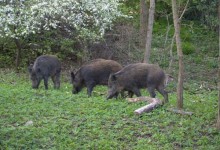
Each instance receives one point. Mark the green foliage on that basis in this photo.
(132, 8)
(5, 61)
(198, 59)
(203, 11)
(7, 50)
(56, 119)
(185, 34)
(186, 38)
(188, 48)
(213, 62)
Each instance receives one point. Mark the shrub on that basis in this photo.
(188, 48)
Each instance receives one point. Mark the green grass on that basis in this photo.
(65, 121)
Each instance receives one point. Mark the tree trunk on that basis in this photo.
(149, 31)
(218, 119)
(18, 54)
(143, 23)
(180, 55)
(171, 49)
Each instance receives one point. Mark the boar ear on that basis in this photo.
(169, 77)
(30, 68)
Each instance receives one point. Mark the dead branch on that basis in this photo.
(180, 111)
(153, 103)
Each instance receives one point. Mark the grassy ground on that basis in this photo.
(56, 119)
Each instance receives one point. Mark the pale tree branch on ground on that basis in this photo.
(153, 103)
(180, 111)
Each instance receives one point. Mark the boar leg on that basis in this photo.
(56, 81)
(122, 93)
(90, 86)
(151, 90)
(46, 82)
(130, 94)
(161, 90)
(136, 91)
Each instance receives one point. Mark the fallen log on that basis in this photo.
(153, 103)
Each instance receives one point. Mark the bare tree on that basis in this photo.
(18, 54)
(180, 55)
(149, 31)
(218, 119)
(171, 47)
(143, 23)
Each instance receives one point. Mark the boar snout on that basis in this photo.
(34, 87)
(74, 92)
(110, 96)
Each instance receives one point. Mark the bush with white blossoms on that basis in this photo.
(88, 18)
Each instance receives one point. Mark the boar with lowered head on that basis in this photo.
(93, 73)
(45, 66)
(136, 76)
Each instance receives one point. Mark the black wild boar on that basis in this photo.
(93, 73)
(45, 66)
(136, 76)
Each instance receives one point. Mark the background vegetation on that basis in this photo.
(56, 119)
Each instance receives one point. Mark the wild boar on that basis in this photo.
(136, 76)
(45, 66)
(96, 72)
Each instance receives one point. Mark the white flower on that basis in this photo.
(89, 17)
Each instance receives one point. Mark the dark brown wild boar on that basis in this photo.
(45, 66)
(93, 73)
(134, 77)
